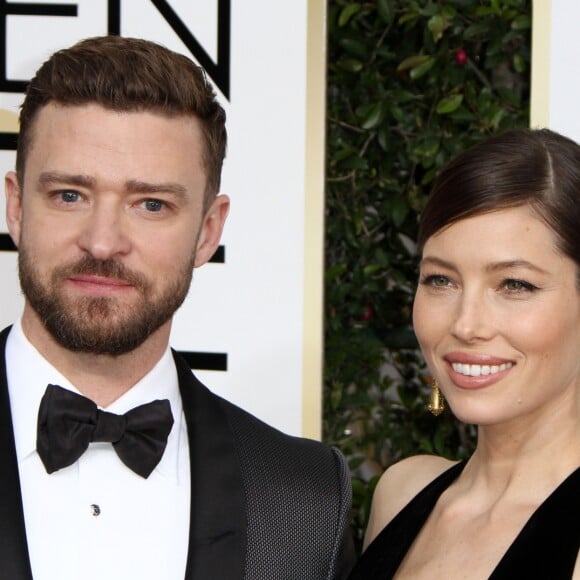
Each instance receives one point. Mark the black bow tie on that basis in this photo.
(68, 422)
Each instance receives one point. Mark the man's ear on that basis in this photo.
(13, 206)
(211, 229)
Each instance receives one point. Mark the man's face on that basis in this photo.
(109, 223)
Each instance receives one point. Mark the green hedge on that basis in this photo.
(410, 84)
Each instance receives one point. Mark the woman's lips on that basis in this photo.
(476, 371)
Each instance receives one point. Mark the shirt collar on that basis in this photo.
(28, 374)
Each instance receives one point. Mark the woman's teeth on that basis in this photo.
(479, 370)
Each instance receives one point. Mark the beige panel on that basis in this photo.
(8, 121)
(541, 33)
(314, 221)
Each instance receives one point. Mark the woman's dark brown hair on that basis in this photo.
(534, 167)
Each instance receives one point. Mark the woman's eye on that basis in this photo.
(513, 285)
(153, 205)
(436, 280)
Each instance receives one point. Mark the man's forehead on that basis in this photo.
(152, 146)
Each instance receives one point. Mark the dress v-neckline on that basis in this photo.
(546, 546)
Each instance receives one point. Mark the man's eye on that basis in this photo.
(153, 205)
(69, 196)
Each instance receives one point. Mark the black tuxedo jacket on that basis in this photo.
(264, 505)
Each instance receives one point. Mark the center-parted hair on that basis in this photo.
(538, 168)
(126, 75)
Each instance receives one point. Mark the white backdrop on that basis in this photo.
(262, 307)
(556, 67)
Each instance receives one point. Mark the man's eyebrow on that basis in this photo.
(49, 178)
(56, 177)
(135, 186)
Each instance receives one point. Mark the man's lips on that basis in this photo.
(99, 284)
(104, 280)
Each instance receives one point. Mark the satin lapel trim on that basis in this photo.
(14, 560)
(217, 528)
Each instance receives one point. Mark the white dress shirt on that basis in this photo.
(97, 519)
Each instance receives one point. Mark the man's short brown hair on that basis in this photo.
(127, 74)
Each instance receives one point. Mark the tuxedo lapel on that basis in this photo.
(217, 536)
(14, 560)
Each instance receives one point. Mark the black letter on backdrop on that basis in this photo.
(6, 9)
(219, 71)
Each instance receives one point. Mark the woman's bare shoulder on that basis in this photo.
(399, 485)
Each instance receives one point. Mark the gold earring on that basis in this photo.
(436, 401)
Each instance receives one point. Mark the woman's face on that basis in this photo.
(497, 315)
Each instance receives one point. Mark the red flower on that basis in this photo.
(367, 313)
(460, 56)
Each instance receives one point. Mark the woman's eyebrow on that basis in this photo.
(437, 262)
(517, 263)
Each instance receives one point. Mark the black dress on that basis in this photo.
(545, 549)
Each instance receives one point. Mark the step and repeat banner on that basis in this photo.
(252, 323)
(556, 67)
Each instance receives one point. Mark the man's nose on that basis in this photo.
(104, 232)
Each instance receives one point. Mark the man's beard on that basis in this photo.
(98, 324)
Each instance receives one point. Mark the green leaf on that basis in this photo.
(448, 104)
(508, 96)
(426, 445)
(347, 13)
(449, 12)
(371, 269)
(437, 25)
(399, 211)
(354, 46)
(422, 69)
(474, 30)
(523, 22)
(409, 17)
(413, 61)
(386, 10)
(335, 271)
(386, 53)
(356, 462)
(498, 118)
(374, 116)
(384, 135)
(428, 147)
(462, 115)
(354, 162)
(519, 63)
(350, 65)
(429, 176)
(484, 11)
(439, 442)
(398, 113)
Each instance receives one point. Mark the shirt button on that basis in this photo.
(95, 510)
